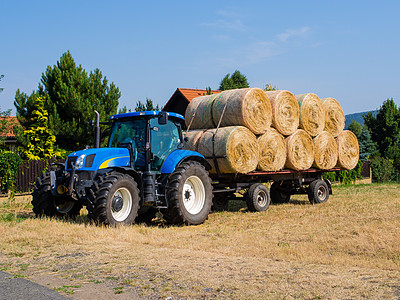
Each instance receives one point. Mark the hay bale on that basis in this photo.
(285, 111)
(198, 114)
(348, 150)
(334, 116)
(300, 151)
(325, 151)
(193, 139)
(248, 107)
(312, 114)
(272, 149)
(235, 147)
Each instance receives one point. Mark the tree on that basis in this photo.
(4, 126)
(149, 106)
(70, 96)
(385, 130)
(356, 128)
(236, 81)
(270, 87)
(40, 138)
(368, 148)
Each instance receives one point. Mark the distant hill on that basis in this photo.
(357, 117)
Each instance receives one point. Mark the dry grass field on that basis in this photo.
(347, 248)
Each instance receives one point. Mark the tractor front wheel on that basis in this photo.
(115, 199)
(189, 194)
(45, 204)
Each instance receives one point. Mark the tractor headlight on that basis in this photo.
(79, 162)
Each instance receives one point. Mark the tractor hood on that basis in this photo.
(98, 158)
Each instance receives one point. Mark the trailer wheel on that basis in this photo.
(45, 204)
(220, 202)
(318, 191)
(257, 198)
(189, 194)
(279, 195)
(115, 199)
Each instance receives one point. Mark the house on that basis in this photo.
(10, 140)
(182, 97)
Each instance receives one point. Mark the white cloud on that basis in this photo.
(290, 33)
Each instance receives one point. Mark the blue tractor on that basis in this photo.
(144, 169)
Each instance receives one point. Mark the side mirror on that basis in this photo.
(162, 118)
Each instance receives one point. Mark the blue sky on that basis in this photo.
(349, 50)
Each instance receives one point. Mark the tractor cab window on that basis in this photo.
(130, 133)
(164, 140)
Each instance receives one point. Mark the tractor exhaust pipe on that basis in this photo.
(97, 130)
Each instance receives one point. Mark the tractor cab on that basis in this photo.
(150, 137)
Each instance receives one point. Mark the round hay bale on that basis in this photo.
(198, 114)
(300, 151)
(348, 150)
(248, 107)
(272, 149)
(285, 111)
(312, 114)
(334, 116)
(235, 147)
(325, 151)
(193, 138)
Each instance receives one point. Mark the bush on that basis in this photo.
(345, 177)
(9, 163)
(382, 169)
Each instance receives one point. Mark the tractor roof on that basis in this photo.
(145, 114)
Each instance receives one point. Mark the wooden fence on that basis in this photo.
(28, 173)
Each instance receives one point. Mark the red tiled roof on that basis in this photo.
(190, 94)
(11, 121)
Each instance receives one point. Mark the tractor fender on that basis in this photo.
(179, 156)
(125, 170)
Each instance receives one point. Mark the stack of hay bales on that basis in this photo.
(248, 129)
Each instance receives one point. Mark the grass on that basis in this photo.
(348, 247)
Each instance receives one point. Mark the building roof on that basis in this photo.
(10, 121)
(189, 94)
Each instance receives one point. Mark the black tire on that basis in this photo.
(220, 202)
(318, 191)
(257, 198)
(115, 199)
(45, 204)
(189, 194)
(278, 194)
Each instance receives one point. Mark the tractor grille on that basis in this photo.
(71, 161)
(89, 160)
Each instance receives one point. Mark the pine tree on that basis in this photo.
(71, 96)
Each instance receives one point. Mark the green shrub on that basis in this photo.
(382, 169)
(9, 163)
(345, 177)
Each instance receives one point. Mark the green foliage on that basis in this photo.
(270, 87)
(382, 169)
(148, 106)
(236, 81)
(385, 130)
(356, 128)
(71, 96)
(368, 148)
(9, 163)
(208, 90)
(40, 138)
(347, 176)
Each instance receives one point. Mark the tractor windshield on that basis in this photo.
(130, 132)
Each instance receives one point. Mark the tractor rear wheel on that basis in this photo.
(318, 191)
(189, 194)
(45, 204)
(115, 199)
